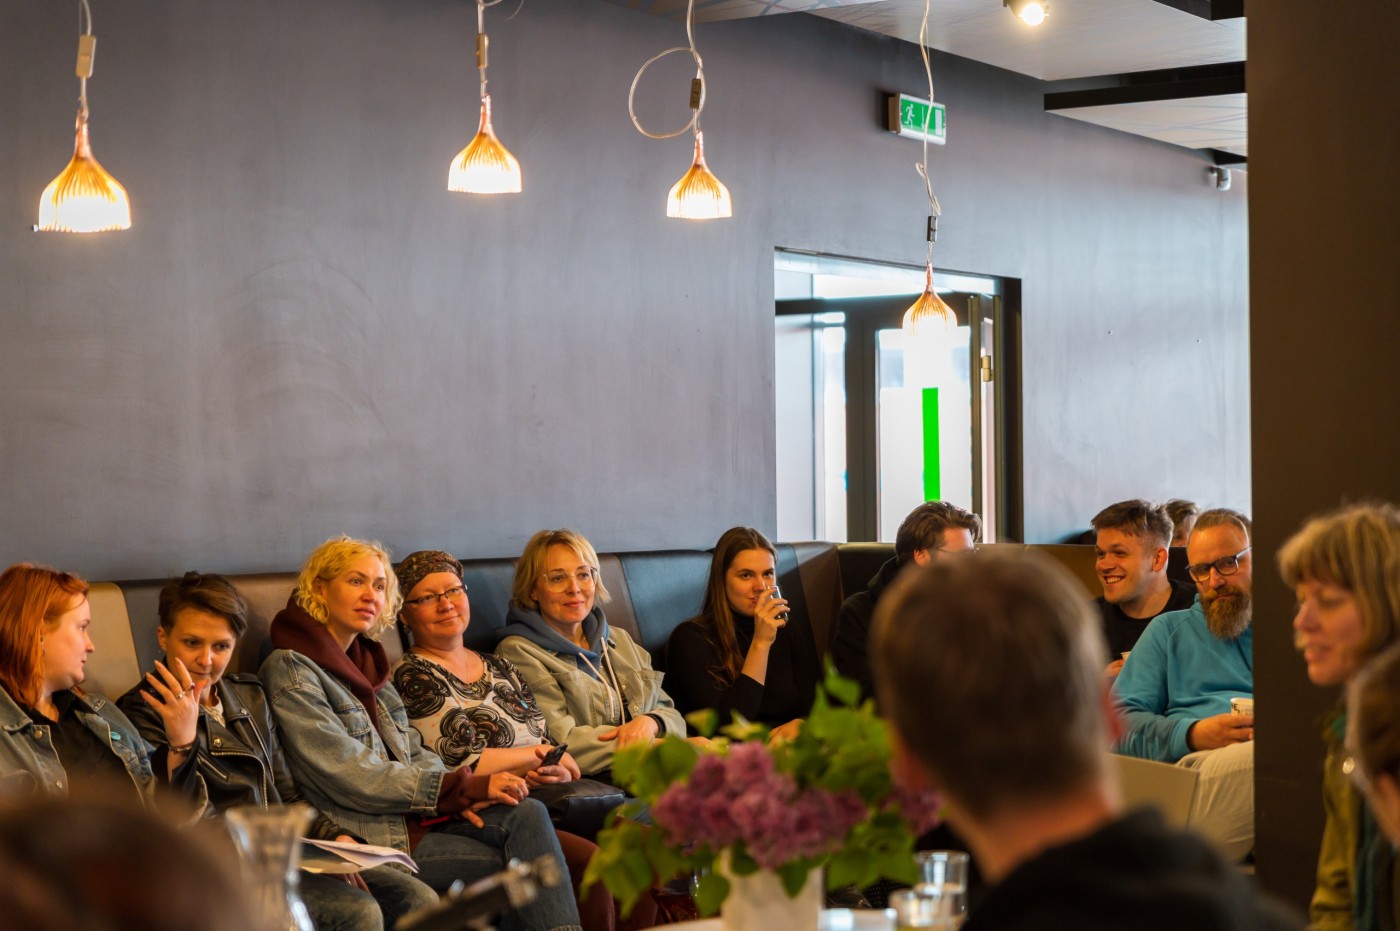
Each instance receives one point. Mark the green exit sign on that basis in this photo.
(909, 115)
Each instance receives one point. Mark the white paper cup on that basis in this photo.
(1242, 706)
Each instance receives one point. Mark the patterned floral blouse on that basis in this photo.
(460, 719)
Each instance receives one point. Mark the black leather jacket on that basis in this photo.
(241, 759)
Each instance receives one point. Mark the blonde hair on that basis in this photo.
(530, 566)
(329, 560)
(1356, 548)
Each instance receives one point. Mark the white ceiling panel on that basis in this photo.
(1080, 38)
(1197, 122)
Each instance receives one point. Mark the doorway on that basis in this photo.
(873, 422)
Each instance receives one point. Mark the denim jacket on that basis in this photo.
(366, 783)
(26, 746)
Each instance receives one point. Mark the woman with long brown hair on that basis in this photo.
(745, 652)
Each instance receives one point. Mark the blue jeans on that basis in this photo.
(463, 851)
(335, 905)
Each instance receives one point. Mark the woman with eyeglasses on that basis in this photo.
(594, 684)
(474, 709)
(744, 653)
(1345, 570)
(356, 758)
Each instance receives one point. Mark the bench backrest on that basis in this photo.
(652, 592)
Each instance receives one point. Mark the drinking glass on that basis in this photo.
(918, 909)
(943, 877)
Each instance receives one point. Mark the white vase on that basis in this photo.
(759, 902)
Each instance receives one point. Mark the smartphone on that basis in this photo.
(553, 757)
(774, 593)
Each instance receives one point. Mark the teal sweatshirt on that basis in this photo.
(1178, 673)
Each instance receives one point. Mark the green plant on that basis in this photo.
(823, 799)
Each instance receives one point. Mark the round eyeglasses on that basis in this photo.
(559, 580)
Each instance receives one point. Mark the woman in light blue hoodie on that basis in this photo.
(593, 682)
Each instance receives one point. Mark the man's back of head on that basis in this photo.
(991, 670)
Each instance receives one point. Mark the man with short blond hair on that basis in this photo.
(990, 671)
(1130, 559)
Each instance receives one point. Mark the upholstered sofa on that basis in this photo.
(652, 592)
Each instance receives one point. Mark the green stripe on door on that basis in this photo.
(933, 478)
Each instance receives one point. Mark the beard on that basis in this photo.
(1229, 618)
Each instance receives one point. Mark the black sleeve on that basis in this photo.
(850, 650)
(689, 657)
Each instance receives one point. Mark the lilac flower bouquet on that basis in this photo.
(824, 799)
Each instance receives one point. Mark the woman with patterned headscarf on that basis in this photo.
(474, 710)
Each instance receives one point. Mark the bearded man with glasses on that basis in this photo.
(1178, 685)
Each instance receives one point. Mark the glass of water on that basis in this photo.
(943, 878)
(918, 910)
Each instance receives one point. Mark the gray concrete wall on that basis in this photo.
(305, 333)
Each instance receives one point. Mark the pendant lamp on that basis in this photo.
(484, 166)
(84, 198)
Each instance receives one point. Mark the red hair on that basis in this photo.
(31, 598)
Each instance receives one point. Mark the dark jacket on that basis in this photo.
(850, 649)
(1135, 873)
(241, 759)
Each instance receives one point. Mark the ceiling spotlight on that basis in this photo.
(1031, 12)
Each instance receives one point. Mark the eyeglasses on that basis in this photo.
(558, 581)
(1225, 565)
(455, 593)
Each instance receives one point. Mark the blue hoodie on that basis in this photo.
(523, 622)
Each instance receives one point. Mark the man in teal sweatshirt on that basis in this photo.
(1177, 685)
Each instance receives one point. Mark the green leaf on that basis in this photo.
(846, 691)
(794, 876)
(710, 893)
(705, 721)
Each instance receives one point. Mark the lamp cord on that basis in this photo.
(934, 208)
(697, 100)
(84, 15)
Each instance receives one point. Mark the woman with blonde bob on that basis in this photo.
(594, 684)
(1345, 569)
(54, 736)
(356, 758)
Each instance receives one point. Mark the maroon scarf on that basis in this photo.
(363, 669)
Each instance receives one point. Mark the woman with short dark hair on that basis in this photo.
(239, 752)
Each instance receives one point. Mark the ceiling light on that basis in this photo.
(930, 315)
(698, 195)
(484, 166)
(1031, 12)
(84, 198)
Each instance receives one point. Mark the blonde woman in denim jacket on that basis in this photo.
(355, 757)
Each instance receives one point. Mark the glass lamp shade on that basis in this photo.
(930, 315)
(699, 195)
(484, 166)
(84, 198)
